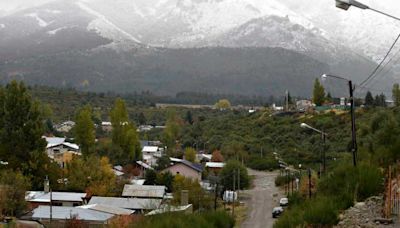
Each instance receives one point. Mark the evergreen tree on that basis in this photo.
(189, 117)
(142, 119)
(396, 94)
(369, 99)
(84, 130)
(125, 139)
(21, 131)
(329, 97)
(318, 93)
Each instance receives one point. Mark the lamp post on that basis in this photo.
(346, 4)
(353, 117)
(323, 136)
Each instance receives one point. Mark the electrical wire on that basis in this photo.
(381, 63)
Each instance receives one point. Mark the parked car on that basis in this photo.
(277, 211)
(283, 202)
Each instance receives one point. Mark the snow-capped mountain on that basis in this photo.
(146, 27)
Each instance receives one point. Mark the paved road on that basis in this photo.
(261, 200)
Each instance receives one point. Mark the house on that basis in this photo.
(304, 105)
(144, 128)
(204, 157)
(108, 209)
(151, 154)
(143, 167)
(215, 166)
(64, 199)
(65, 126)
(106, 126)
(61, 151)
(186, 169)
(60, 215)
(186, 209)
(144, 191)
(139, 205)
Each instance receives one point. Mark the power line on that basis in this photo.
(388, 70)
(380, 64)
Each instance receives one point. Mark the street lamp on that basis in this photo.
(345, 5)
(323, 136)
(353, 118)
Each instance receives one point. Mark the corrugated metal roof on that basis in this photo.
(144, 165)
(169, 209)
(150, 149)
(108, 209)
(43, 212)
(144, 191)
(54, 140)
(34, 196)
(215, 164)
(127, 203)
(194, 166)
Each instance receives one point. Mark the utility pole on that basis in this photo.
(234, 185)
(216, 196)
(324, 153)
(238, 184)
(309, 183)
(353, 125)
(51, 206)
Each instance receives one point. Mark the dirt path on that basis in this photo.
(260, 200)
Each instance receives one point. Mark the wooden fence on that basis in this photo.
(392, 192)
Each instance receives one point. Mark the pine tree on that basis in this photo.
(318, 93)
(21, 130)
(369, 99)
(189, 117)
(84, 130)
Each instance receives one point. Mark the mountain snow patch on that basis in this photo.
(105, 27)
(40, 21)
(53, 32)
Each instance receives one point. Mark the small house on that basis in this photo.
(186, 169)
(59, 216)
(64, 199)
(139, 205)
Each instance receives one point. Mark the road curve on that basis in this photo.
(261, 200)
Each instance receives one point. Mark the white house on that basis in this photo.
(61, 151)
(151, 154)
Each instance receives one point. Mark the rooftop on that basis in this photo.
(108, 209)
(215, 164)
(144, 191)
(42, 197)
(43, 212)
(150, 149)
(127, 203)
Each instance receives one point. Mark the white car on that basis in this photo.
(276, 212)
(283, 202)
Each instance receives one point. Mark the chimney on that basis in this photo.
(47, 185)
(184, 197)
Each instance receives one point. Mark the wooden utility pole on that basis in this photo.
(234, 185)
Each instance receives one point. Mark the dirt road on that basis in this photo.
(260, 200)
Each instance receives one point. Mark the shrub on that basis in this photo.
(219, 219)
(321, 211)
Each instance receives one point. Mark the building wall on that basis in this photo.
(184, 171)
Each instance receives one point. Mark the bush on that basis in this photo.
(219, 219)
(284, 179)
(263, 163)
(321, 212)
